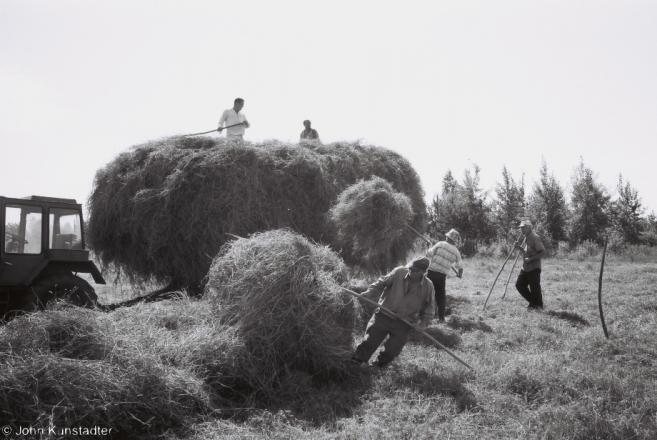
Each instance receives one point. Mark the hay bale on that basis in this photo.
(370, 220)
(281, 292)
(161, 210)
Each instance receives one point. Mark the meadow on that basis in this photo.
(547, 374)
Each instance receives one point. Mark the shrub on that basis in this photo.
(586, 249)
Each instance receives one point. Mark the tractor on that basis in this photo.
(44, 250)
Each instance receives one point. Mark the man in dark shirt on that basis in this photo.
(529, 279)
(309, 133)
(408, 293)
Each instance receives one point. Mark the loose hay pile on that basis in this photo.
(282, 293)
(161, 210)
(70, 368)
(370, 220)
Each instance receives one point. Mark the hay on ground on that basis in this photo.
(370, 220)
(281, 292)
(70, 368)
(161, 210)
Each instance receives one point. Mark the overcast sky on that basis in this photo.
(446, 84)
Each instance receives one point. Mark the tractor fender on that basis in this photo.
(49, 266)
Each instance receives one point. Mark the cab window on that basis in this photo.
(23, 229)
(65, 229)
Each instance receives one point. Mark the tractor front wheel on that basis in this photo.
(59, 286)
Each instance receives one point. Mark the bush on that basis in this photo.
(586, 249)
(162, 209)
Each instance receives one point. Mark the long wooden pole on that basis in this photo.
(362, 298)
(428, 242)
(216, 129)
(499, 273)
(602, 266)
(506, 286)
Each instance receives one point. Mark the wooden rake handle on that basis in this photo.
(438, 344)
(499, 273)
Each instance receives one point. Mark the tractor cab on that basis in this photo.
(43, 240)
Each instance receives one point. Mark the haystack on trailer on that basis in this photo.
(162, 210)
(44, 249)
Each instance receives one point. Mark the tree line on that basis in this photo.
(583, 211)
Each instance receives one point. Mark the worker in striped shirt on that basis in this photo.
(443, 255)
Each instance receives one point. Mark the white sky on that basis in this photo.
(446, 84)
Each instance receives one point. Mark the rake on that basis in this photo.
(499, 273)
(438, 344)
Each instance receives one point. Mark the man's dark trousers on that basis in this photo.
(529, 286)
(438, 280)
(378, 328)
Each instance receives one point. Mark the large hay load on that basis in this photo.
(282, 293)
(162, 209)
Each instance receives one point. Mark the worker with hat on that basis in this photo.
(408, 293)
(529, 279)
(443, 256)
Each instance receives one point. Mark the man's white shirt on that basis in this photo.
(230, 117)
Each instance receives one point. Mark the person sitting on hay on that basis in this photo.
(443, 255)
(308, 132)
(407, 292)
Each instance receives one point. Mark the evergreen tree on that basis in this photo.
(463, 207)
(509, 208)
(547, 209)
(589, 203)
(649, 227)
(626, 212)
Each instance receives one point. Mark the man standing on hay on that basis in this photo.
(529, 279)
(234, 121)
(443, 255)
(409, 294)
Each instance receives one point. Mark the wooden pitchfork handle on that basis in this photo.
(506, 286)
(500, 272)
(216, 129)
(362, 298)
(428, 242)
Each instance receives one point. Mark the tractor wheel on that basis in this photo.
(59, 286)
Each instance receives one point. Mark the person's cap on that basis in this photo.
(420, 263)
(524, 223)
(453, 234)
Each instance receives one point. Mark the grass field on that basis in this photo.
(538, 374)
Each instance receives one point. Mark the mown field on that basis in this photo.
(538, 374)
